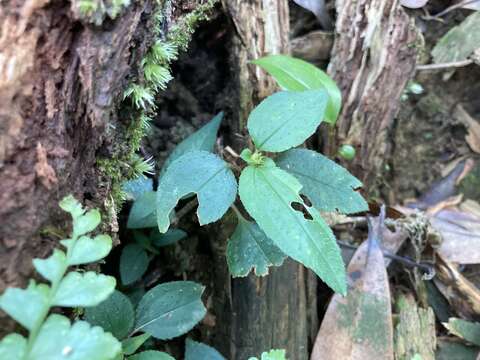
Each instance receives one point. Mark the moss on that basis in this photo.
(126, 164)
(96, 11)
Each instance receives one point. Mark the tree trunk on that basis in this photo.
(257, 314)
(373, 58)
(62, 77)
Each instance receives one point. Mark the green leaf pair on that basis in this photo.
(55, 337)
(166, 311)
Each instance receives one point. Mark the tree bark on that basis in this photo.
(373, 58)
(257, 314)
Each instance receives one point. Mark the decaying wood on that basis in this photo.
(415, 330)
(373, 58)
(255, 314)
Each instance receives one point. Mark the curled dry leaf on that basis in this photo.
(318, 8)
(472, 125)
(359, 325)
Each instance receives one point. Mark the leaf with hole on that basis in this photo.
(151, 355)
(13, 346)
(197, 172)
(83, 289)
(286, 119)
(134, 262)
(328, 186)
(115, 315)
(268, 192)
(297, 75)
(249, 248)
(53, 267)
(170, 309)
(143, 213)
(202, 139)
(58, 339)
(197, 351)
(26, 306)
(87, 250)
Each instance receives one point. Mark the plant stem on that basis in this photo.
(32, 336)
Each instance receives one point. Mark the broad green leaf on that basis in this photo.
(450, 350)
(329, 186)
(132, 344)
(142, 214)
(136, 187)
(53, 267)
(87, 250)
(83, 289)
(115, 315)
(268, 192)
(145, 241)
(171, 309)
(86, 222)
(151, 355)
(297, 75)
(467, 330)
(272, 355)
(197, 351)
(249, 247)
(26, 306)
(202, 139)
(460, 42)
(72, 206)
(133, 263)
(170, 237)
(12, 347)
(59, 340)
(286, 119)
(197, 172)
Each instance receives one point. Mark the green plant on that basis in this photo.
(283, 193)
(53, 336)
(166, 311)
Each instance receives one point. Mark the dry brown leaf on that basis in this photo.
(473, 126)
(461, 235)
(462, 295)
(359, 325)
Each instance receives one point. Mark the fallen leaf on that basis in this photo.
(413, 4)
(451, 350)
(460, 233)
(462, 295)
(460, 42)
(472, 5)
(473, 126)
(359, 325)
(467, 330)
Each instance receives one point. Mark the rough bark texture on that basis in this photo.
(373, 58)
(256, 314)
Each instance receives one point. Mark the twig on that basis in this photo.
(404, 260)
(450, 8)
(453, 64)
